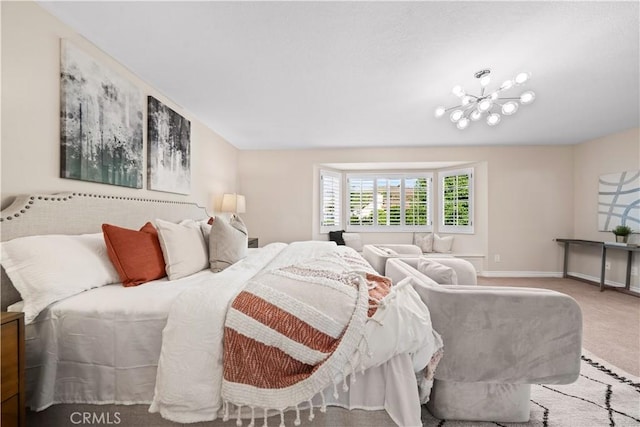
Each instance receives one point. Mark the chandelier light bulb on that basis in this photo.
(508, 84)
(493, 119)
(463, 123)
(458, 91)
(509, 108)
(456, 115)
(484, 105)
(522, 78)
(527, 97)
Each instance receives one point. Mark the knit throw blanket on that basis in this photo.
(294, 331)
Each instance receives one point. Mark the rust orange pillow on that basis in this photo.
(136, 255)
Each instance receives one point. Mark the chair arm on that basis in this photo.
(501, 335)
(378, 257)
(465, 271)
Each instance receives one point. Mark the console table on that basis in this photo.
(603, 250)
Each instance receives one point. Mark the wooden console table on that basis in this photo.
(603, 250)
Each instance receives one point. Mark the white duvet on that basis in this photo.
(189, 375)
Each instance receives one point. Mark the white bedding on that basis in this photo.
(188, 385)
(103, 345)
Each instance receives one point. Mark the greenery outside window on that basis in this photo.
(456, 201)
(389, 202)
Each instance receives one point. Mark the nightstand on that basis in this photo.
(12, 374)
(253, 242)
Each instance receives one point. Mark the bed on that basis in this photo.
(141, 345)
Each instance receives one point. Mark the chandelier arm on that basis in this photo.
(468, 108)
(507, 98)
(451, 108)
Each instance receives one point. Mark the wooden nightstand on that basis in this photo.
(253, 242)
(12, 374)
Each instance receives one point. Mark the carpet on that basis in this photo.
(603, 395)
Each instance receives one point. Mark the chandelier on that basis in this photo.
(487, 105)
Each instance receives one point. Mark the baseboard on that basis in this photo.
(596, 279)
(553, 274)
(520, 274)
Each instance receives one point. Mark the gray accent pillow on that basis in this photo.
(228, 242)
(440, 273)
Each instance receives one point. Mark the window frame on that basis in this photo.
(375, 227)
(456, 229)
(339, 200)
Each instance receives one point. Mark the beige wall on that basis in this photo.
(31, 108)
(611, 154)
(528, 199)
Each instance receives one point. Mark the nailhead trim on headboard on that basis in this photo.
(32, 200)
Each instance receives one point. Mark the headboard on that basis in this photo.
(81, 213)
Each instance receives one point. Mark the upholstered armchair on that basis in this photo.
(497, 342)
(377, 255)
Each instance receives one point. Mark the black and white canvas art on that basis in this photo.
(100, 122)
(169, 153)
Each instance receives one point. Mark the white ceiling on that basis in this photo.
(269, 75)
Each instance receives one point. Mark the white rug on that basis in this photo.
(603, 395)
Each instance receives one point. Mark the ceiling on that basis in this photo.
(290, 75)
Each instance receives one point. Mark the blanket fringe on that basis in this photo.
(238, 420)
(311, 416)
(226, 411)
(297, 421)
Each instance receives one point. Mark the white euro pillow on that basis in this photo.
(183, 248)
(353, 240)
(46, 269)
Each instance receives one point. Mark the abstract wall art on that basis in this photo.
(619, 200)
(100, 122)
(169, 149)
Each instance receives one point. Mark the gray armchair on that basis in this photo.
(497, 342)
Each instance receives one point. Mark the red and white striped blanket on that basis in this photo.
(295, 330)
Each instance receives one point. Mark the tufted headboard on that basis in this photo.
(80, 213)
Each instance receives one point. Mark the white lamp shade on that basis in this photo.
(233, 203)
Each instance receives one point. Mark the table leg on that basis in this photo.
(602, 267)
(566, 260)
(627, 283)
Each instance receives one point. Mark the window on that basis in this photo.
(330, 201)
(456, 201)
(390, 202)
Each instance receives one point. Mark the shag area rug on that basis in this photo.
(603, 395)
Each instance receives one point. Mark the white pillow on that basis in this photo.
(438, 272)
(353, 240)
(228, 242)
(442, 244)
(424, 241)
(46, 269)
(183, 247)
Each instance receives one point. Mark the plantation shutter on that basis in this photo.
(330, 201)
(456, 201)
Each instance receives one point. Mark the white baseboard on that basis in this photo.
(520, 274)
(553, 274)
